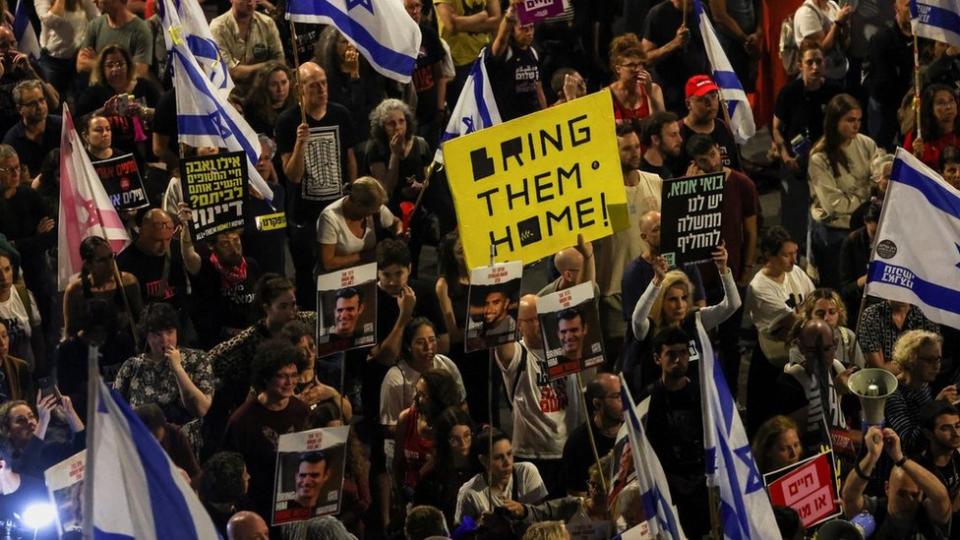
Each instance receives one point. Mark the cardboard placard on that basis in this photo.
(122, 182)
(310, 469)
(691, 218)
(65, 486)
(571, 330)
(809, 487)
(534, 11)
(347, 309)
(215, 188)
(492, 303)
(529, 186)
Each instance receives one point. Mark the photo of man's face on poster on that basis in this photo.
(572, 331)
(347, 311)
(313, 472)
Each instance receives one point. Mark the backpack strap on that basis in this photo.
(24, 295)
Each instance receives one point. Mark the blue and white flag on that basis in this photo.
(916, 258)
(204, 117)
(186, 22)
(138, 493)
(731, 91)
(25, 29)
(938, 20)
(745, 510)
(476, 107)
(658, 506)
(380, 29)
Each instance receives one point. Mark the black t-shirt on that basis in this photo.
(32, 153)
(31, 491)
(801, 111)
(19, 217)
(729, 151)
(148, 270)
(220, 304)
(578, 455)
(413, 165)
(388, 311)
(165, 119)
(675, 430)
(514, 77)
(325, 159)
(675, 68)
(662, 170)
(431, 53)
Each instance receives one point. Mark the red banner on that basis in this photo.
(809, 487)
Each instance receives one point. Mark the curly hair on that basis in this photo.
(626, 45)
(325, 52)
(157, 317)
(906, 348)
(221, 480)
(258, 98)
(673, 278)
(546, 530)
(5, 410)
(379, 115)
(272, 356)
(443, 391)
(806, 309)
(767, 435)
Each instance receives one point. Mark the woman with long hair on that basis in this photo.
(272, 93)
(826, 305)
(98, 279)
(452, 463)
(635, 95)
(777, 444)
(839, 176)
(938, 125)
(667, 302)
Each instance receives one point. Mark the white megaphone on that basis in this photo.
(872, 386)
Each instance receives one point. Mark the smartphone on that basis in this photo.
(48, 386)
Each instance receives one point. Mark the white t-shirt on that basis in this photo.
(544, 411)
(810, 19)
(768, 302)
(332, 229)
(472, 498)
(398, 387)
(20, 324)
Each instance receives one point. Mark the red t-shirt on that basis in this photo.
(622, 114)
(932, 149)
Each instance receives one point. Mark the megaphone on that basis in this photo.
(858, 528)
(872, 386)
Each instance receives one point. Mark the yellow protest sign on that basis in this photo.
(529, 186)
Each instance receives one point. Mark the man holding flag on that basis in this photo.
(916, 258)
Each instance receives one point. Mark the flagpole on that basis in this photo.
(296, 71)
(916, 87)
(93, 387)
(490, 360)
(426, 184)
(716, 527)
(593, 442)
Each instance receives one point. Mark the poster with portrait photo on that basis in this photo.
(347, 309)
(492, 304)
(571, 330)
(310, 467)
(65, 486)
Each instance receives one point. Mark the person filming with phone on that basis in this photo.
(26, 431)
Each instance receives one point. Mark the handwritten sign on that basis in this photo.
(121, 180)
(215, 187)
(533, 11)
(528, 187)
(691, 218)
(809, 487)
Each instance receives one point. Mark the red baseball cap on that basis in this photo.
(700, 85)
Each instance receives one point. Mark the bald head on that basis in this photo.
(816, 342)
(247, 526)
(529, 324)
(569, 263)
(650, 229)
(313, 81)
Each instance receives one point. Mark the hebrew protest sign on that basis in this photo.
(215, 188)
(691, 218)
(528, 187)
(65, 485)
(533, 11)
(346, 309)
(809, 487)
(121, 180)
(492, 304)
(309, 479)
(571, 330)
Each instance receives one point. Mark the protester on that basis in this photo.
(247, 40)
(453, 463)
(37, 132)
(917, 355)
(272, 92)
(98, 280)
(25, 432)
(881, 327)
(605, 416)
(777, 444)
(826, 305)
(348, 228)
(635, 94)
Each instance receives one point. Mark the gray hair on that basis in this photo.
(327, 528)
(29, 84)
(378, 117)
(7, 152)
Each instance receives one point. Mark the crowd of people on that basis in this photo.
(213, 342)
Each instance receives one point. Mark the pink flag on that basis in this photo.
(85, 207)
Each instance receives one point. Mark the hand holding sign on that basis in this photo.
(660, 268)
(720, 258)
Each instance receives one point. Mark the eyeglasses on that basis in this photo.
(460, 441)
(33, 104)
(634, 66)
(115, 65)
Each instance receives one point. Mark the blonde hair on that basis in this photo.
(546, 530)
(766, 437)
(906, 348)
(806, 309)
(673, 278)
(367, 192)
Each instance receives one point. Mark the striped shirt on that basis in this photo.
(902, 414)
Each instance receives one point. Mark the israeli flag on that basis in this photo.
(731, 91)
(662, 519)
(745, 511)
(24, 29)
(380, 29)
(916, 257)
(138, 493)
(185, 21)
(204, 118)
(476, 107)
(938, 20)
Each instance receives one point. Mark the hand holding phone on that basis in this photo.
(48, 386)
